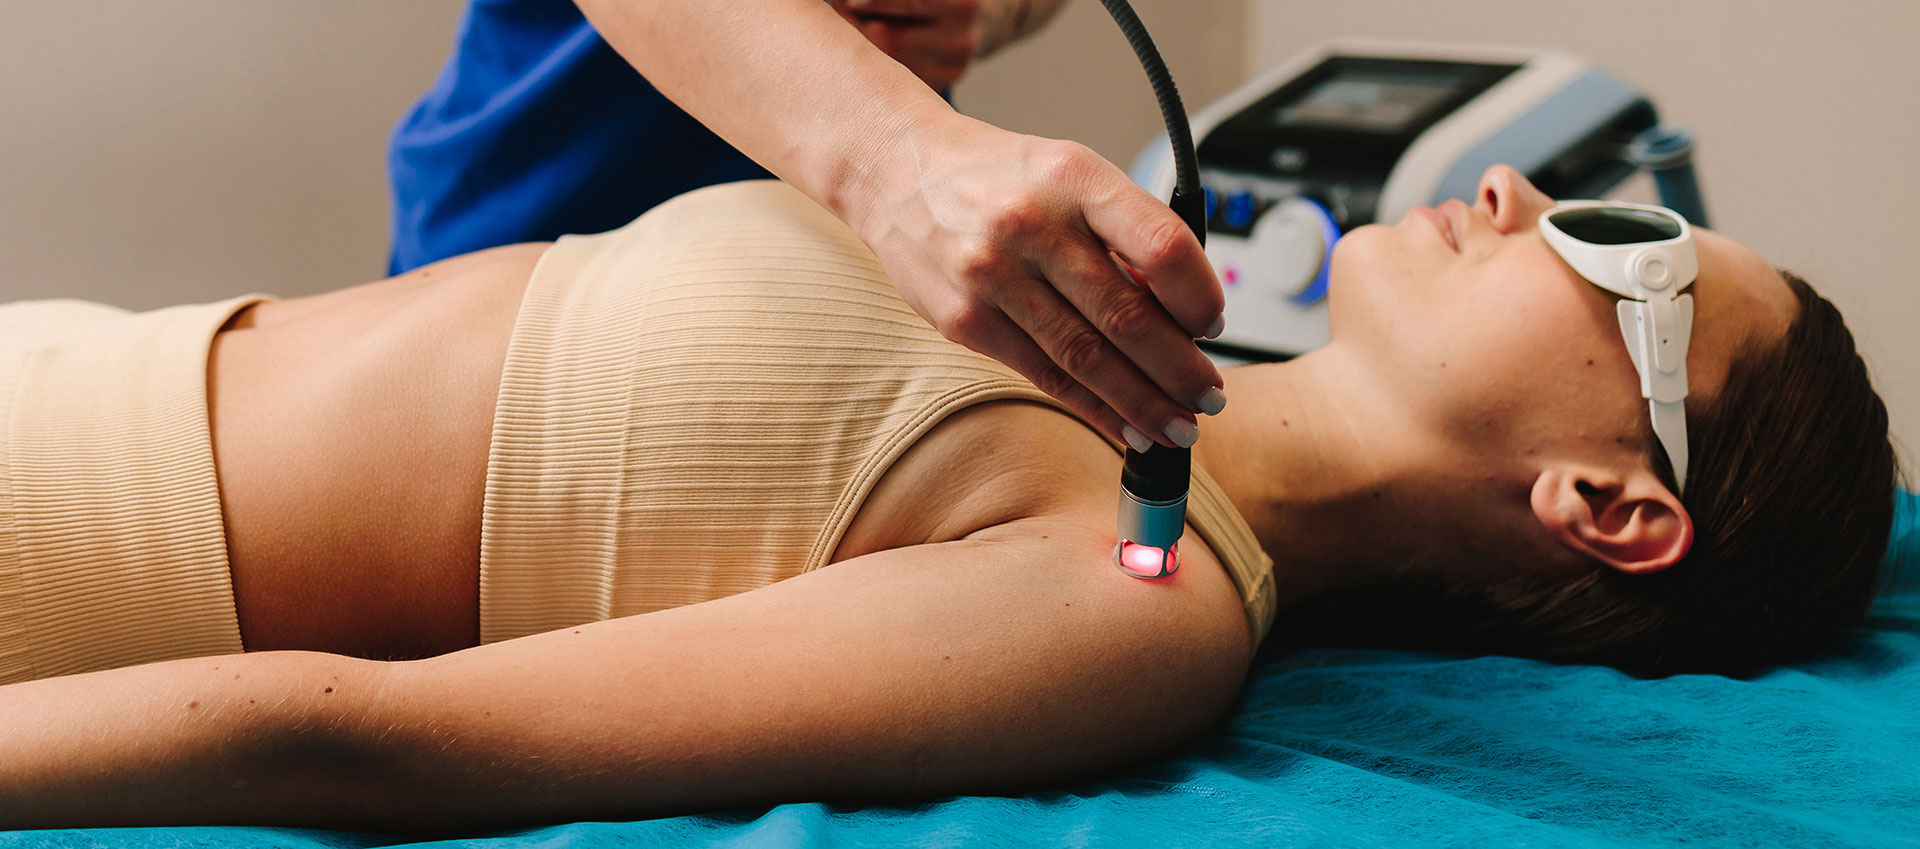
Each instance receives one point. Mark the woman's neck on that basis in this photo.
(1313, 458)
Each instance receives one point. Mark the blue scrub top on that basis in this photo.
(537, 128)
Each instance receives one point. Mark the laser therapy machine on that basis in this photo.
(1346, 134)
(1349, 133)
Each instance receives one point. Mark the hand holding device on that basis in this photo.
(1001, 241)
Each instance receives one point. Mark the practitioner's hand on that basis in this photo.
(935, 39)
(1002, 242)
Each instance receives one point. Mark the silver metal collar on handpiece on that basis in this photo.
(1153, 525)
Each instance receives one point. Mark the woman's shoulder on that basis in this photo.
(996, 466)
(761, 207)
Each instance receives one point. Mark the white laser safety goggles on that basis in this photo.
(1644, 254)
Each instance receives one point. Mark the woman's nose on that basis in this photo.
(1508, 199)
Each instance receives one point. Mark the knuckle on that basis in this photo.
(1052, 380)
(979, 260)
(1128, 316)
(1065, 161)
(967, 323)
(1164, 239)
(1019, 214)
(1081, 351)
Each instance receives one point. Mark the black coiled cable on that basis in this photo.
(1188, 199)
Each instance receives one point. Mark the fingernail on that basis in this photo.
(1135, 438)
(1218, 327)
(1183, 433)
(1213, 401)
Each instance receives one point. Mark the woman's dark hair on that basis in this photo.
(1792, 497)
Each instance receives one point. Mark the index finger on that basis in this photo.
(1151, 237)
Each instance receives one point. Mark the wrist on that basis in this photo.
(884, 162)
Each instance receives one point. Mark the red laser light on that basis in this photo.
(1146, 561)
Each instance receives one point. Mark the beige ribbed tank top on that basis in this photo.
(112, 550)
(697, 404)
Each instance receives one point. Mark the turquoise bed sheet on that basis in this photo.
(1377, 748)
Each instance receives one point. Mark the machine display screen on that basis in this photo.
(1335, 131)
(1377, 100)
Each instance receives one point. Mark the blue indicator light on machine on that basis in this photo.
(1213, 201)
(1329, 235)
(1239, 210)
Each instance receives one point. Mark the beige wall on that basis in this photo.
(1077, 79)
(160, 153)
(157, 153)
(1806, 114)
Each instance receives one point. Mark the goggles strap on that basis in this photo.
(1649, 327)
(1670, 426)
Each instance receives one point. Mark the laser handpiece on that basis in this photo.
(1153, 511)
(1153, 483)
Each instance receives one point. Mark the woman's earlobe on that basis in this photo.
(1633, 524)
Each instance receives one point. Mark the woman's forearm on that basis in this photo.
(235, 739)
(788, 82)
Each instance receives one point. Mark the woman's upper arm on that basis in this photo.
(1017, 657)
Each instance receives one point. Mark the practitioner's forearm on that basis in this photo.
(788, 82)
(236, 739)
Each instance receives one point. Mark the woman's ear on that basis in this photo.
(1631, 523)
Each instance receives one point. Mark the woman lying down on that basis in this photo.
(698, 514)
